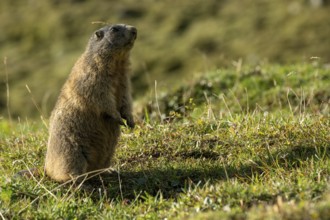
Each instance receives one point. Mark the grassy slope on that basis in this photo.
(268, 160)
(175, 40)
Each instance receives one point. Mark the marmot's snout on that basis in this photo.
(133, 31)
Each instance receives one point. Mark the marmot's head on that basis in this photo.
(112, 40)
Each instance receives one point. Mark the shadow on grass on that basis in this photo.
(172, 181)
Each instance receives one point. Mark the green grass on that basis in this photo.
(210, 161)
(175, 40)
(296, 89)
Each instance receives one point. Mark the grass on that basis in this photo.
(265, 161)
(297, 89)
(198, 36)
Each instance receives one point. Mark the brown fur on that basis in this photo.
(85, 123)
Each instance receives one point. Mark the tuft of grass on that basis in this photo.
(217, 159)
(297, 89)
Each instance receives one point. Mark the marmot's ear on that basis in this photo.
(99, 34)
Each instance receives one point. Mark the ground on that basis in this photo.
(236, 143)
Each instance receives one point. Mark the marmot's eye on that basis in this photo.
(99, 34)
(114, 29)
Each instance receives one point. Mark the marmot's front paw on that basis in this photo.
(130, 122)
(115, 116)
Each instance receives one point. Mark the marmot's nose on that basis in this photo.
(133, 30)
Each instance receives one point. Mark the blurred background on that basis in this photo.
(41, 40)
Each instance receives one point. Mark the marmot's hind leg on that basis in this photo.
(69, 168)
(77, 168)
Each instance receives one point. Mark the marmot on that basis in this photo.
(85, 123)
